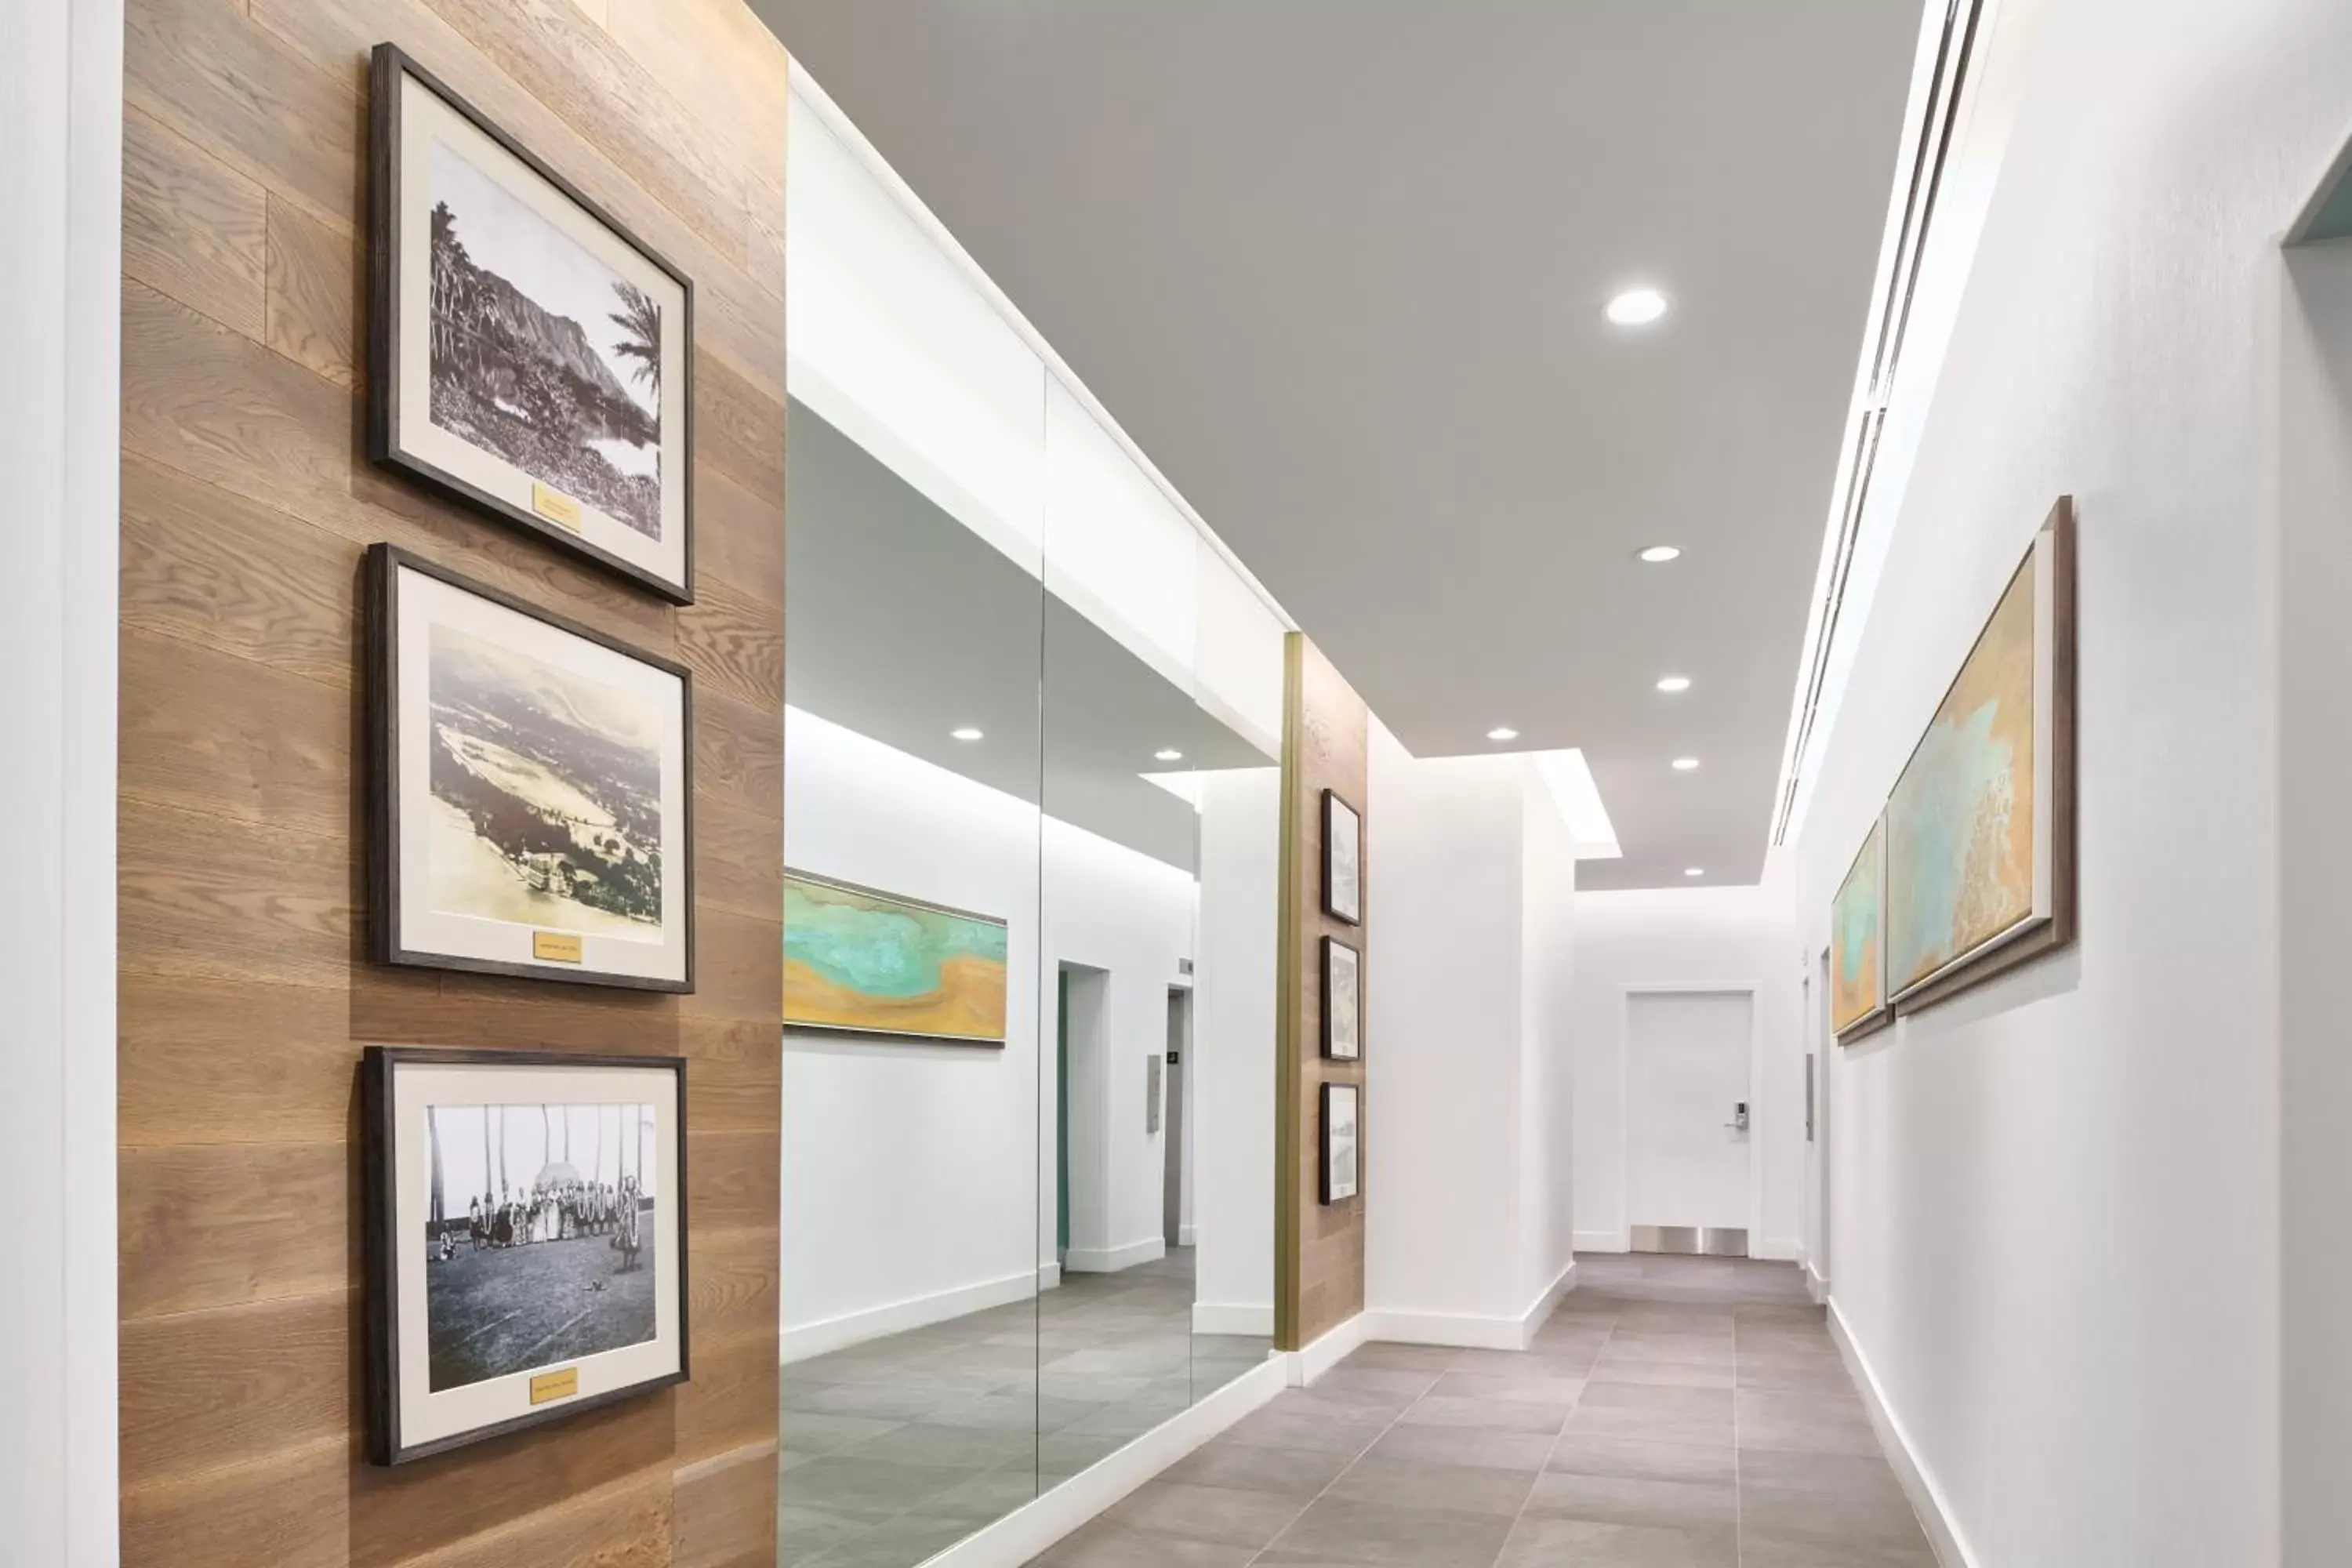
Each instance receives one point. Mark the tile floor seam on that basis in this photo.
(1525, 1504)
(1739, 1490)
(1394, 1422)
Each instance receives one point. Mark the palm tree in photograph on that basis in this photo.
(641, 319)
(432, 1132)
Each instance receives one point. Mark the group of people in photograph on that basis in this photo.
(558, 1211)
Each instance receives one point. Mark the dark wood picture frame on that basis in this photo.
(384, 565)
(1334, 803)
(1328, 1094)
(1332, 944)
(382, 1245)
(2039, 934)
(388, 64)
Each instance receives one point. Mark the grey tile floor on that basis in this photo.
(897, 1448)
(1675, 1412)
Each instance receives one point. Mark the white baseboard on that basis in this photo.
(1927, 1498)
(1034, 1527)
(1231, 1317)
(1469, 1331)
(1817, 1285)
(1313, 1361)
(1049, 1276)
(802, 1340)
(1187, 1235)
(1783, 1249)
(1111, 1260)
(1604, 1241)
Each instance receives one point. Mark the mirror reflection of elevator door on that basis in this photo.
(1062, 1116)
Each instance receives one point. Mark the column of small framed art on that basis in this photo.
(1342, 994)
(530, 786)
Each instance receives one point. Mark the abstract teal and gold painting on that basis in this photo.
(1857, 931)
(862, 959)
(1960, 823)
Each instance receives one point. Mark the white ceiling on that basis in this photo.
(1338, 268)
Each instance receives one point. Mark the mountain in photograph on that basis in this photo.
(551, 777)
(526, 382)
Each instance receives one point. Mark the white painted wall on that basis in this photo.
(1232, 1068)
(61, 387)
(919, 1179)
(2056, 1200)
(1464, 990)
(2316, 561)
(1728, 938)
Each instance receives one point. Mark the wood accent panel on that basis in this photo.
(245, 999)
(1318, 1248)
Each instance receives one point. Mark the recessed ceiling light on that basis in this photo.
(1694, 870)
(965, 733)
(1637, 306)
(1658, 555)
(1502, 733)
(1685, 764)
(1673, 683)
(1169, 755)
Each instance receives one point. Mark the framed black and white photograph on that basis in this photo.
(526, 1232)
(1343, 860)
(1342, 1103)
(532, 789)
(1343, 1001)
(527, 355)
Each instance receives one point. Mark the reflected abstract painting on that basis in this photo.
(860, 960)
(1979, 830)
(1857, 941)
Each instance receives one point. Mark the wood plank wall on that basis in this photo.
(1319, 1250)
(246, 502)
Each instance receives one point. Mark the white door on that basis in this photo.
(1688, 1120)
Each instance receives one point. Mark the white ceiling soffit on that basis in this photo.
(901, 343)
(1340, 268)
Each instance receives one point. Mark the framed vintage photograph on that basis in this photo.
(527, 353)
(532, 789)
(526, 1239)
(1343, 860)
(1343, 1001)
(1981, 823)
(860, 960)
(1341, 1104)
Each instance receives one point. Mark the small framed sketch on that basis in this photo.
(1343, 860)
(527, 355)
(1343, 1001)
(1341, 1102)
(526, 1239)
(532, 789)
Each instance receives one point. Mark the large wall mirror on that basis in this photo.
(1031, 783)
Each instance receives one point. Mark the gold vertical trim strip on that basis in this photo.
(1289, 1109)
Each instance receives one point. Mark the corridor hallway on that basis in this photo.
(1675, 1412)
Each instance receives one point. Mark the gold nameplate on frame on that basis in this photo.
(549, 1385)
(555, 946)
(555, 506)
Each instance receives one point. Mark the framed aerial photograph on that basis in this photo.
(863, 962)
(1980, 824)
(532, 789)
(1343, 1001)
(526, 1239)
(1858, 943)
(1343, 860)
(527, 354)
(1341, 1104)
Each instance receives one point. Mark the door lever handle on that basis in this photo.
(1738, 1122)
